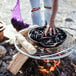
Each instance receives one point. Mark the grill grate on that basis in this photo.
(52, 53)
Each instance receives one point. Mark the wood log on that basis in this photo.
(20, 59)
(17, 63)
(25, 44)
(25, 32)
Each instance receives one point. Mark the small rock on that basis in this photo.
(0, 62)
(73, 57)
(68, 20)
(2, 51)
(63, 74)
(74, 11)
(7, 58)
(5, 72)
(4, 64)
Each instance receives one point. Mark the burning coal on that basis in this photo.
(48, 66)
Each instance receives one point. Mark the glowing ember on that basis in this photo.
(51, 65)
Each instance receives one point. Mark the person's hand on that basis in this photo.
(50, 28)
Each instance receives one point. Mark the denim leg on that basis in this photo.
(47, 12)
(36, 15)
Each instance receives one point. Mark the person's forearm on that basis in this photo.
(54, 9)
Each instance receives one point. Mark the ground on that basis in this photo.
(6, 6)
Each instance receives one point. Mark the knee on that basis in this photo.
(35, 9)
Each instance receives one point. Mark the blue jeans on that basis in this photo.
(36, 15)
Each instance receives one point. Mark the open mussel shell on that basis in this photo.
(37, 36)
(49, 43)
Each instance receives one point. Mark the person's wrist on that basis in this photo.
(51, 22)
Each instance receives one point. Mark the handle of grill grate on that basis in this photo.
(20, 59)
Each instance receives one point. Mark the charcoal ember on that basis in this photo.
(31, 68)
(37, 34)
(0, 62)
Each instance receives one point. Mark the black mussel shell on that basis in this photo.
(37, 34)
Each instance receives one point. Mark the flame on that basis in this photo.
(51, 65)
(51, 68)
(43, 70)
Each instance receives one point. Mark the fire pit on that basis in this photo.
(46, 61)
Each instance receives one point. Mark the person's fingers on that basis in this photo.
(46, 31)
(50, 31)
(54, 31)
(57, 30)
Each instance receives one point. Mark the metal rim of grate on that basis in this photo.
(61, 54)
